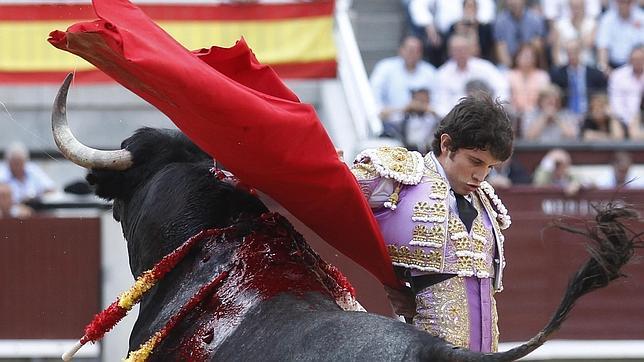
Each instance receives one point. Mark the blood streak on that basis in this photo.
(272, 259)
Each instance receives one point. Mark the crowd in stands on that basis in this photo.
(567, 70)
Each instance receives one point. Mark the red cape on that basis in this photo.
(239, 112)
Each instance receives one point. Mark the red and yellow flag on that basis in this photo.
(295, 39)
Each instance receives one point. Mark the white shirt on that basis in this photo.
(35, 184)
(451, 81)
(568, 32)
(625, 92)
(444, 13)
(560, 9)
(619, 35)
(392, 83)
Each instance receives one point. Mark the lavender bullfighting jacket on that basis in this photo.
(419, 220)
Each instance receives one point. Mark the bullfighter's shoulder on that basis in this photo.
(397, 163)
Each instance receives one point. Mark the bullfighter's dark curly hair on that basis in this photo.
(477, 122)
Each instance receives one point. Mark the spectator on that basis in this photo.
(435, 17)
(461, 68)
(578, 26)
(27, 180)
(626, 87)
(554, 170)
(620, 29)
(393, 80)
(554, 10)
(599, 124)
(622, 175)
(419, 123)
(577, 79)
(470, 26)
(515, 26)
(8, 208)
(548, 123)
(526, 80)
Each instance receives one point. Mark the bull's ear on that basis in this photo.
(110, 185)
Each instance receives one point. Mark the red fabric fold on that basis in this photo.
(241, 113)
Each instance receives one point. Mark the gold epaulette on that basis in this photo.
(397, 163)
(364, 171)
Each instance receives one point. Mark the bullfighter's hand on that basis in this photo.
(403, 302)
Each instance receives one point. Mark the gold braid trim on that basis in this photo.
(397, 163)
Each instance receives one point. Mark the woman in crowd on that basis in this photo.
(576, 26)
(599, 124)
(526, 80)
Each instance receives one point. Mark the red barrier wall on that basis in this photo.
(49, 277)
(50, 273)
(541, 259)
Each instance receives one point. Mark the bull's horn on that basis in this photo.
(75, 151)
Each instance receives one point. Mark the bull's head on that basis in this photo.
(161, 185)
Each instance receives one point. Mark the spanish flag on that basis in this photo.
(238, 111)
(294, 38)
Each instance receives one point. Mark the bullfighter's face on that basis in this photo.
(465, 168)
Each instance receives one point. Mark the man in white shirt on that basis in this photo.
(9, 209)
(626, 87)
(461, 68)
(620, 29)
(27, 181)
(560, 9)
(393, 79)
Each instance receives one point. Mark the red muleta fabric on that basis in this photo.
(241, 113)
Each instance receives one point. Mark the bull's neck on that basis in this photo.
(259, 262)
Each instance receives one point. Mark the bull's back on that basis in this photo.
(312, 327)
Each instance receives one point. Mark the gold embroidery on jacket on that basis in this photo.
(439, 241)
(364, 171)
(421, 211)
(395, 163)
(428, 236)
(418, 259)
(442, 311)
(440, 189)
(425, 212)
(497, 236)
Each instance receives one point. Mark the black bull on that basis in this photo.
(276, 299)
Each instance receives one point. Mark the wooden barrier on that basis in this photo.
(529, 154)
(541, 259)
(49, 276)
(50, 273)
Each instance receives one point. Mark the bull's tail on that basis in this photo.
(612, 246)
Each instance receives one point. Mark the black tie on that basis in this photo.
(466, 211)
